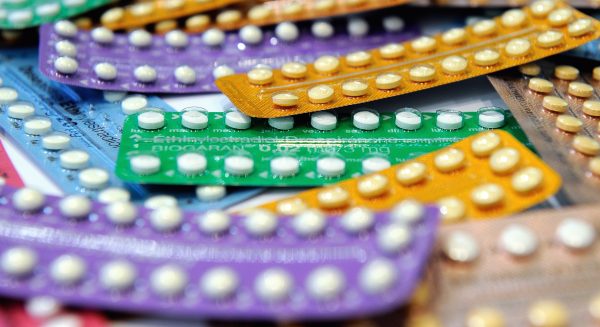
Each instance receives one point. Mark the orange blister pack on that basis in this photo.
(490, 174)
(517, 37)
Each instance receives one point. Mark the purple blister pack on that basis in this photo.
(189, 63)
(249, 266)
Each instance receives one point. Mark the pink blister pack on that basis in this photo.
(8, 173)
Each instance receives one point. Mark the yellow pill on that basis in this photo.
(527, 179)
(486, 144)
(260, 12)
(291, 207)
(141, 9)
(580, 89)
(530, 69)
(486, 57)
(454, 36)
(84, 23)
(324, 5)
(591, 108)
(423, 44)
(294, 70)
(485, 317)
(449, 160)
(569, 123)
(391, 51)
(229, 17)
(285, 99)
(333, 198)
(422, 73)
(517, 47)
(560, 17)
(320, 94)
(327, 65)
(373, 185)
(260, 76)
(292, 9)
(452, 209)
(594, 307)
(513, 18)
(165, 26)
(550, 39)
(197, 22)
(596, 73)
(411, 173)
(454, 65)
(486, 27)
(542, 8)
(505, 160)
(388, 81)
(548, 313)
(594, 167)
(358, 59)
(488, 195)
(567, 73)
(580, 27)
(355, 88)
(554, 104)
(540, 85)
(112, 15)
(586, 145)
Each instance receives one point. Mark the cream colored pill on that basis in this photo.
(517, 47)
(411, 173)
(66, 65)
(580, 27)
(333, 198)
(294, 70)
(259, 12)
(18, 261)
(145, 164)
(118, 275)
(20, 110)
(28, 200)
(560, 17)
(542, 8)
(37, 126)
(454, 36)
(168, 280)
(378, 276)
(550, 39)
(357, 220)
(56, 141)
(197, 22)
(527, 179)
(327, 65)
(485, 27)
(320, 94)
(8, 94)
(285, 166)
(488, 195)
(486, 57)
(513, 18)
(423, 44)
(185, 75)
(140, 38)
(293, 8)
(485, 144)
(260, 223)
(454, 65)
(145, 74)
(485, 317)
(530, 69)
(151, 120)
(93, 178)
(374, 164)
(591, 108)
(230, 16)
(548, 313)
(309, 223)
(358, 59)
(576, 234)
(141, 9)
(273, 285)
(393, 238)
(355, 88)
(388, 81)
(540, 85)
(325, 283)
(505, 160)
(373, 185)
(331, 167)
(580, 89)
(594, 166)
(74, 159)
(586, 145)
(112, 15)
(239, 165)
(594, 307)
(285, 99)
(555, 104)
(68, 269)
(66, 48)
(391, 51)
(260, 76)
(449, 160)
(567, 73)
(105, 71)
(569, 123)
(421, 73)
(291, 207)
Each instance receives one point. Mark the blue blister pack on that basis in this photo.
(73, 135)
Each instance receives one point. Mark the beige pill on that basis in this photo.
(452, 209)
(517, 47)
(391, 51)
(580, 89)
(594, 307)
(548, 313)
(358, 59)
(373, 185)
(550, 39)
(197, 22)
(542, 8)
(293, 8)
(327, 65)
(513, 18)
(294, 70)
(505, 160)
(324, 5)
(591, 108)
(487, 195)
(165, 26)
(486, 144)
(486, 57)
(449, 160)
(229, 17)
(355, 88)
(320, 94)
(112, 15)
(560, 17)
(586, 145)
(527, 179)
(260, 76)
(454, 36)
(530, 69)
(454, 65)
(333, 198)
(540, 85)
(141, 9)
(554, 103)
(411, 173)
(485, 27)
(423, 44)
(594, 167)
(285, 99)
(569, 123)
(422, 73)
(260, 12)
(291, 207)
(580, 27)
(485, 317)
(388, 81)
(567, 73)
(596, 73)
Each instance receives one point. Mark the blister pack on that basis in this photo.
(534, 269)
(45, 311)
(210, 264)
(506, 3)
(517, 37)
(557, 105)
(490, 174)
(8, 173)
(30, 13)
(196, 147)
(141, 62)
(71, 135)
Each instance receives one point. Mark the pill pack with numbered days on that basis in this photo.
(138, 61)
(210, 264)
(516, 37)
(8, 173)
(557, 104)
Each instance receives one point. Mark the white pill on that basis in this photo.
(185, 75)
(285, 166)
(219, 283)
(491, 119)
(18, 261)
(222, 71)
(75, 206)
(461, 246)
(113, 194)
(42, 307)
(74, 159)
(28, 200)
(102, 35)
(194, 119)
(449, 120)
(145, 164)
(47, 10)
(358, 27)
(20, 110)
(74, 3)
(37, 126)
(239, 165)
(211, 193)
(121, 213)
(260, 223)
(105, 71)
(251, 34)
(68, 269)
(159, 201)
(273, 285)
(357, 219)
(93, 178)
(282, 123)
(118, 275)
(518, 240)
(166, 218)
(324, 121)
(393, 24)
(214, 222)
(309, 223)
(213, 37)
(66, 65)
(151, 120)
(331, 166)
(145, 74)
(168, 280)
(408, 120)
(191, 163)
(65, 28)
(20, 17)
(408, 211)
(237, 120)
(134, 104)
(325, 283)
(65, 48)
(8, 94)
(322, 29)
(378, 276)
(287, 31)
(176, 39)
(576, 234)
(393, 238)
(140, 38)
(366, 120)
(375, 164)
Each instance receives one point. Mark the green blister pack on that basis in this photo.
(20, 14)
(195, 147)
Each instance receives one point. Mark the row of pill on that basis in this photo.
(23, 17)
